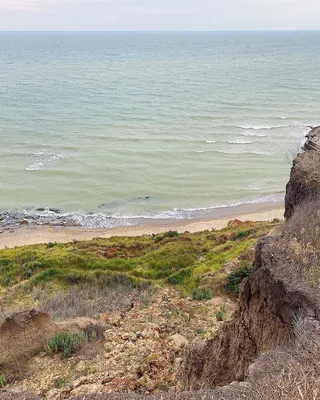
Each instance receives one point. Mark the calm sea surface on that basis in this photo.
(164, 125)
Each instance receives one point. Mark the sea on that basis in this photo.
(110, 128)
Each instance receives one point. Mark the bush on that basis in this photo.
(157, 238)
(236, 277)
(62, 382)
(3, 380)
(50, 245)
(172, 234)
(202, 294)
(221, 313)
(241, 235)
(66, 343)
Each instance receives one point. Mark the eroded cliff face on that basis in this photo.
(276, 295)
(305, 174)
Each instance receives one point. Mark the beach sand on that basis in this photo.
(44, 234)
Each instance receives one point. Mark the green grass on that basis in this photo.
(62, 382)
(65, 343)
(221, 313)
(3, 380)
(176, 259)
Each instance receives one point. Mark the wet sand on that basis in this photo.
(43, 234)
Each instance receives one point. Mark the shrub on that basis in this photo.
(50, 245)
(241, 235)
(62, 382)
(236, 277)
(202, 294)
(172, 234)
(66, 343)
(157, 238)
(221, 313)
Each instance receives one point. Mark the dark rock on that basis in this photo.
(41, 209)
(55, 210)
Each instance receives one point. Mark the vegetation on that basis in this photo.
(65, 343)
(130, 263)
(62, 382)
(221, 313)
(236, 277)
(3, 380)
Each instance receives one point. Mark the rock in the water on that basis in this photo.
(55, 210)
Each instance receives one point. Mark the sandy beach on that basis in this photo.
(44, 234)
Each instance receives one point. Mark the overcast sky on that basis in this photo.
(158, 14)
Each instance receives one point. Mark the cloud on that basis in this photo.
(158, 14)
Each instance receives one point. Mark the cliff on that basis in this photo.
(283, 287)
(304, 180)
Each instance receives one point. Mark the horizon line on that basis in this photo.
(157, 31)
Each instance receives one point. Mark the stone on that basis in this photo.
(178, 341)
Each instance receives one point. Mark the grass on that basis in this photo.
(3, 380)
(221, 313)
(176, 259)
(65, 343)
(61, 382)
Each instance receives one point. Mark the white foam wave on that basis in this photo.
(264, 127)
(253, 134)
(258, 185)
(239, 151)
(240, 141)
(44, 160)
(211, 141)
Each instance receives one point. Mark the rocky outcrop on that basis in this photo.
(305, 174)
(313, 140)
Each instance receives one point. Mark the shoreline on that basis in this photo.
(26, 235)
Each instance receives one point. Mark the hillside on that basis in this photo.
(141, 301)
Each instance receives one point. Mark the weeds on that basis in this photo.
(3, 380)
(202, 294)
(221, 313)
(65, 343)
(61, 382)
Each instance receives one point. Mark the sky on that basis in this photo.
(101, 15)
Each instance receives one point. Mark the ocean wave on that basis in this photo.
(258, 185)
(240, 141)
(264, 127)
(103, 220)
(44, 160)
(240, 151)
(211, 141)
(253, 134)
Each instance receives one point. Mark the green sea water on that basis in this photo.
(109, 126)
